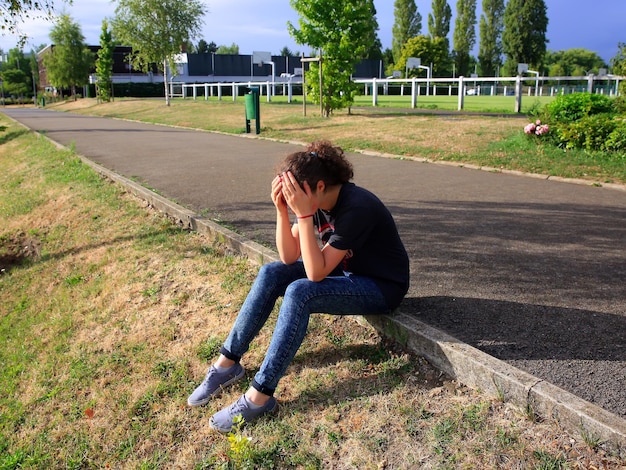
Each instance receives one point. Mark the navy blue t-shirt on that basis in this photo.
(361, 224)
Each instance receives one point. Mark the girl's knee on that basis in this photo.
(270, 272)
(270, 267)
(300, 289)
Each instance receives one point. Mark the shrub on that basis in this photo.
(616, 141)
(570, 135)
(586, 121)
(619, 104)
(575, 106)
(589, 133)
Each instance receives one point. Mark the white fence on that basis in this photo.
(231, 89)
(414, 87)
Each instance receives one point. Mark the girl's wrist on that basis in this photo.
(308, 216)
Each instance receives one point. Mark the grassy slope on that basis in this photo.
(110, 313)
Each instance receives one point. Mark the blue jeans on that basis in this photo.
(336, 295)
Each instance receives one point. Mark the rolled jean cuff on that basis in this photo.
(260, 388)
(228, 355)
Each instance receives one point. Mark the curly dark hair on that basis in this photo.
(320, 161)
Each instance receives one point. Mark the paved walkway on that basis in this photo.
(529, 271)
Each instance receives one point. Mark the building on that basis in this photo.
(207, 68)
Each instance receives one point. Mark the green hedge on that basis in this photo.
(586, 121)
(616, 141)
(575, 106)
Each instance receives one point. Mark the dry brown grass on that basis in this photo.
(111, 324)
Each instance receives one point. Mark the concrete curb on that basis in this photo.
(460, 361)
(481, 371)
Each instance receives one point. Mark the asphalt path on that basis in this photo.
(531, 271)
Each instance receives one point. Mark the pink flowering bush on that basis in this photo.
(536, 128)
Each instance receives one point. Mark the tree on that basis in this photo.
(618, 62)
(389, 61)
(14, 12)
(202, 47)
(27, 65)
(34, 71)
(439, 24)
(375, 50)
(15, 83)
(156, 30)
(343, 31)
(429, 50)
(16, 60)
(232, 49)
(464, 34)
(407, 24)
(524, 36)
(490, 47)
(188, 47)
(439, 19)
(104, 64)
(68, 64)
(573, 62)
(212, 48)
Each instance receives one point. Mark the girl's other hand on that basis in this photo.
(277, 194)
(298, 198)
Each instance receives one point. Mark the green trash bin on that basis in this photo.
(251, 101)
(250, 107)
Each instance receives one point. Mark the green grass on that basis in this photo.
(483, 104)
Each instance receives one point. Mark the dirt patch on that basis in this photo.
(16, 249)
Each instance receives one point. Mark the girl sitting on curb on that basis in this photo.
(341, 256)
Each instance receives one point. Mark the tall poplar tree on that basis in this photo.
(156, 30)
(439, 23)
(439, 19)
(375, 50)
(68, 63)
(524, 36)
(464, 34)
(104, 64)
(344, 31)
(490, 47)
(407, 24)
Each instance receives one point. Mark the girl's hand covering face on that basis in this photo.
(298, 198)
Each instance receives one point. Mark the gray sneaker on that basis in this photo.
(213, 383)
(223, 421)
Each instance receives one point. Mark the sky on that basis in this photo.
(260, 25)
